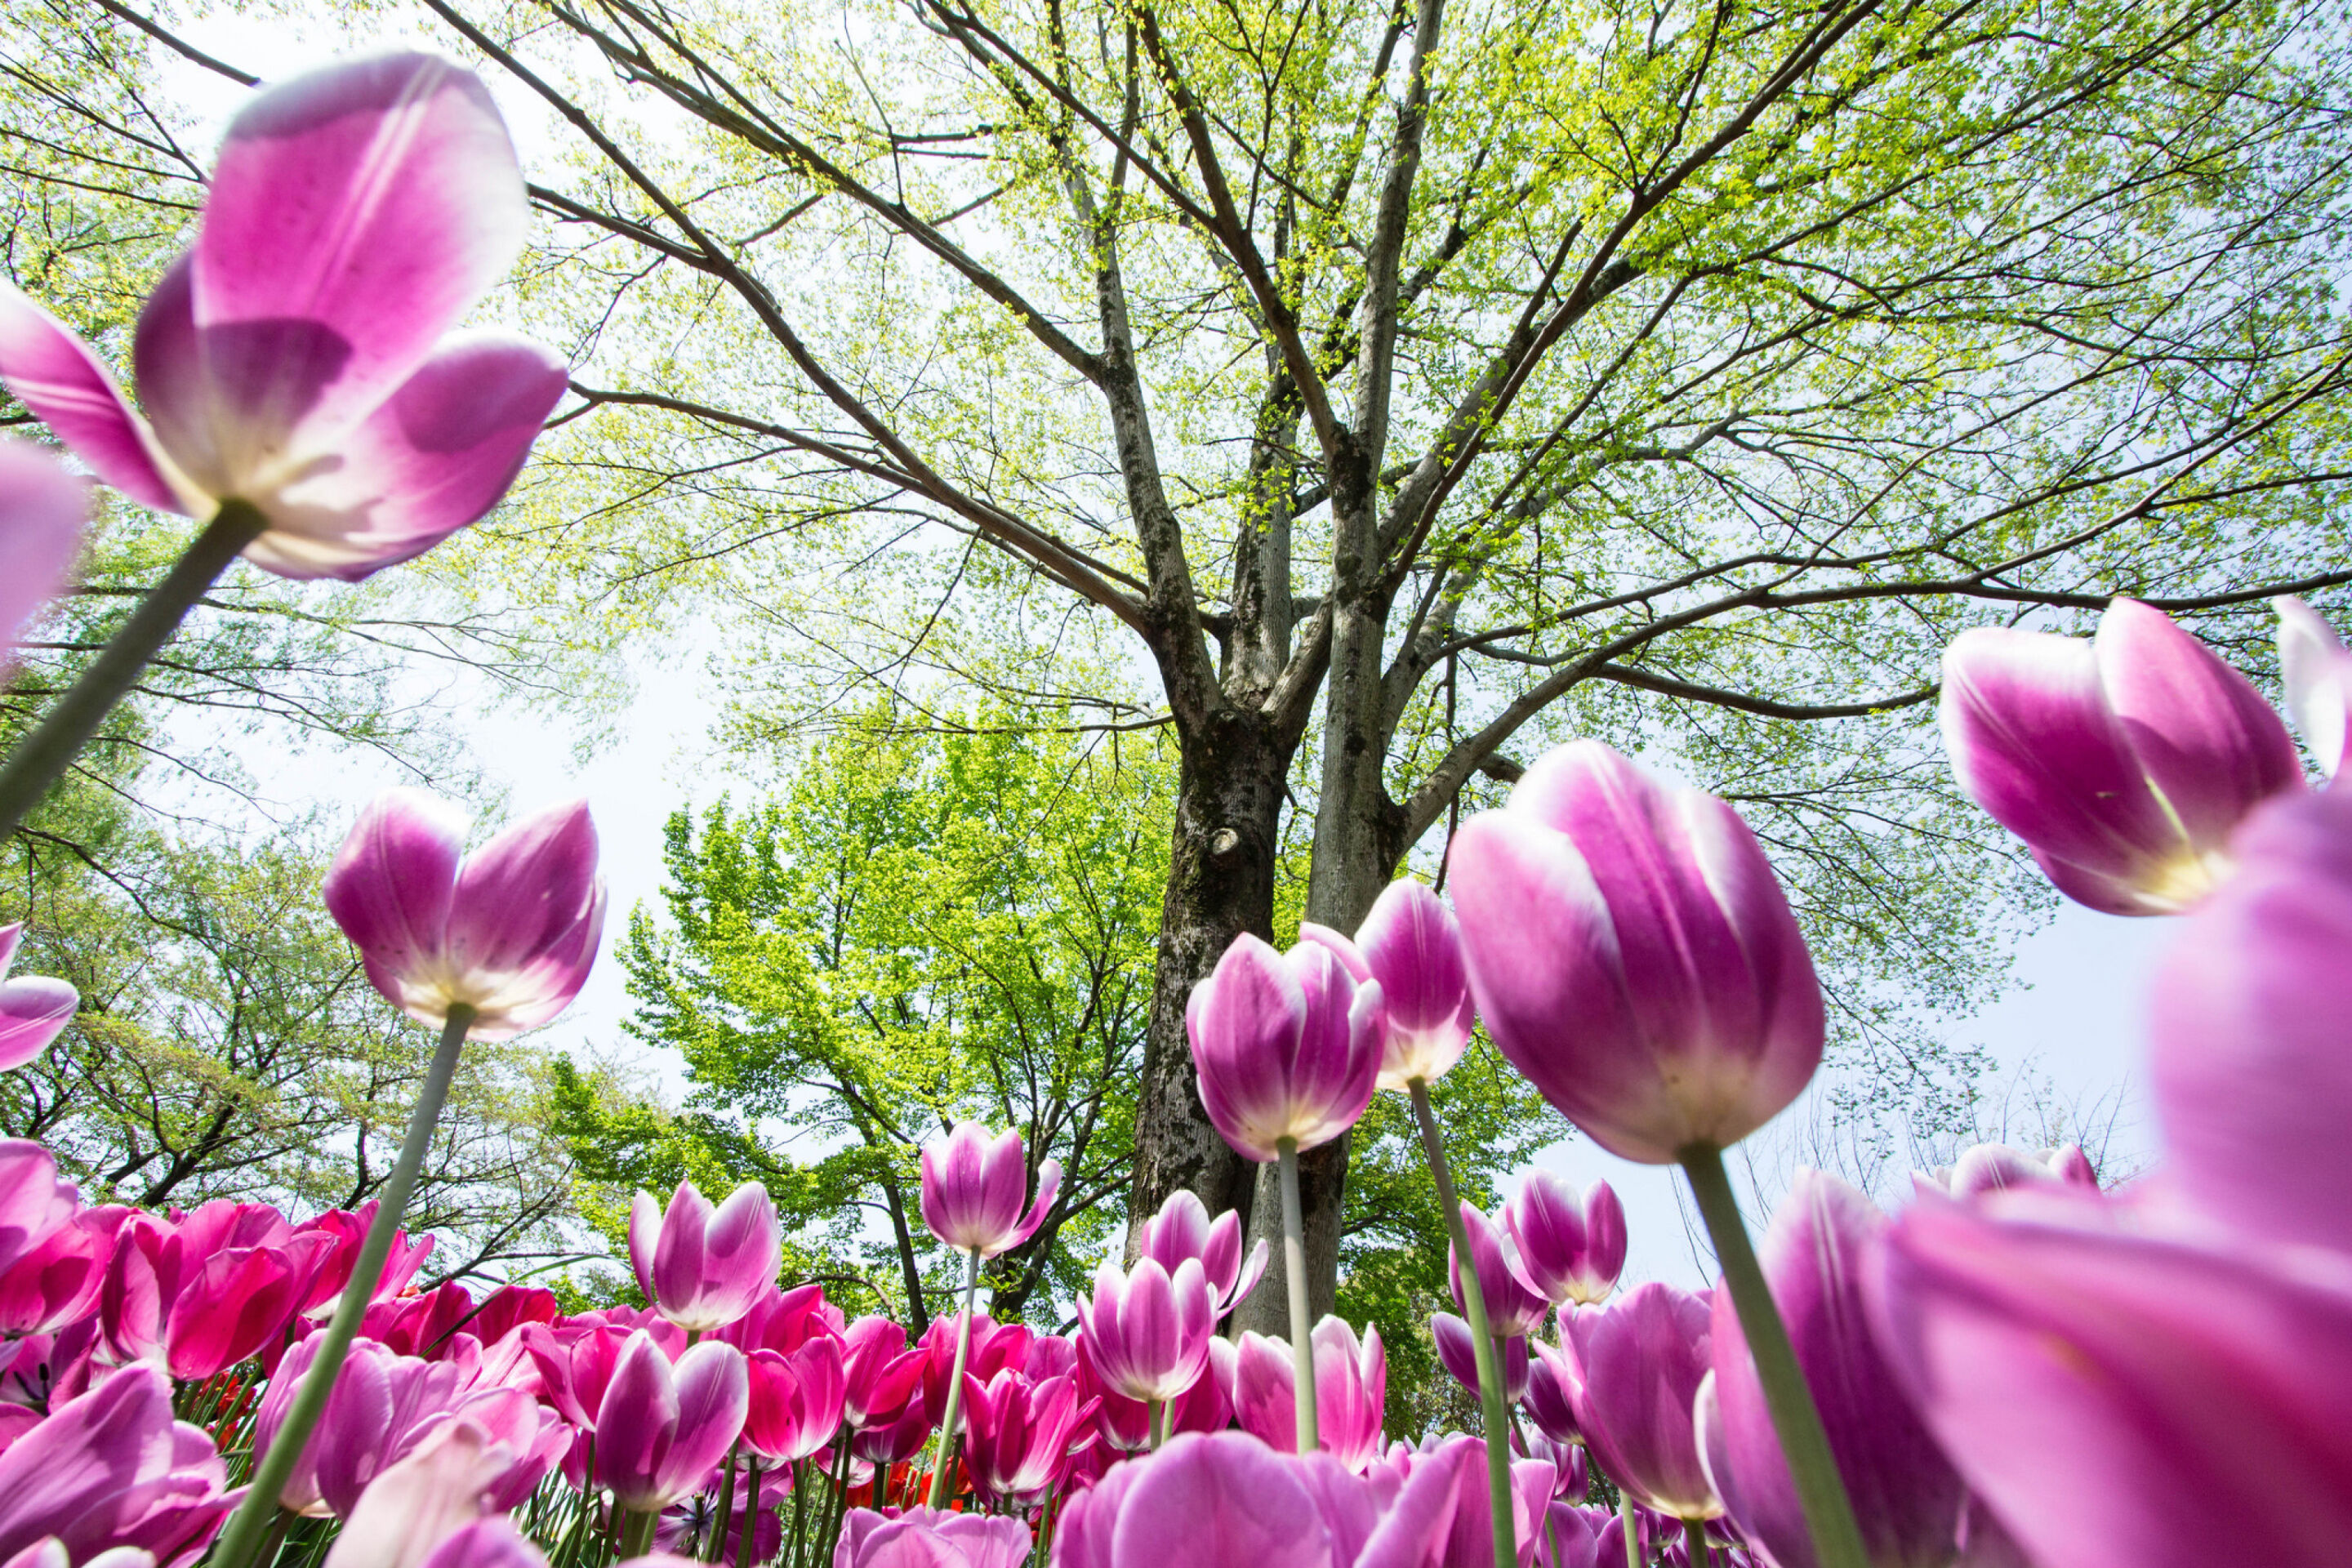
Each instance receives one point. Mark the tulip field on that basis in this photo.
(2022, 1366)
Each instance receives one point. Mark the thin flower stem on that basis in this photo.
(43, 757)
(242, 1538)
(716, 1547)
(745, 1541)
(638, 1533)
(1294, 1269)
(1631, 1527)
(1694, 1542)
(942, 1486)
(1828, 1515)
(1493, 1414)
(1159, 1423)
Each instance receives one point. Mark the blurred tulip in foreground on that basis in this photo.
(2316, 671)
(703, 1267)
(33, 1009)
(42, 509)
(929, 1537)
(113, 1469)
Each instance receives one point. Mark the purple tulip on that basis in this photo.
(510, 930)
(42, 511)
(1017, 1433)
(993, 1348)
(929, 1537)
(1572, 1248)
(2125, 762)
(702, 1268)
(113, 1469)
(430, 1508)
(33, 1010)
(2121, 1395)
(1351, 1382)
(2252, 1059)
(972, 1186)
(1183, 1229)
(1906, 1497)
(1634, 957)
(56, 1281)
(1550, 1400)
(1288, 1046)
(295, 359)
(200, 1296)
(1227, 1501)
(1641, 1358)
(1125, 1424)
(1514, 1306)
(661, 1429)
(1412, 946)
(1146, 1332)
(2316, 671)
(1457, 1352)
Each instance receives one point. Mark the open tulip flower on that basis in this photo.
(1571, 1247)
(703, 1267)
(1019, 1433)
(1351, 1381)
(42, 511)
(510, 930)
(2125, 762)
(973, 1188)
(113, 1469)
(1641, 1358)
(1183, 1229)
(33, 1010)
(1146, 1333)
(296, 361)
(200, 1296)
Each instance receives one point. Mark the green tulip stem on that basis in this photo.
(1694, 1541)
(638, 1533)
(250, 1522)
(1294, 1269)
(43, 757)
(1494, 1416)
(940, 1485)
(1828, 1515)
(1633, 1527)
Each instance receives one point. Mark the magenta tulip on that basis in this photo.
(661, 1429)
(1411, 945)
(424, 1509)
(2125, 762)
(42, 511)
(784, 1321)
(195, 1299)
(1457, 1352)
(113, 1469)
(347, 1230)
(295, 359)
(879, 1372)
(2316, 671)
(1125, 1424)
(1634, 957)
(929, 1537)
(1148, 1332)
(56, 1281)
(33, 1010)
(1351, 1379)
(1640, 1358)
(35, 1206)
(702, 1268)
(1572, 1248)
(1467, 1537)
(795, 1400)
(1288, 1046)
(972, 1188)
(510, 931)
(1514, 1306)
(1227, 1501)
(1018, 1435)
(1906, 1497)
(994, 1347)
(2253, 1058)
(1183, 1229)
(2122, 1396)
(1553, 1382)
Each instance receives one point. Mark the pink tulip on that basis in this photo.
(1553, 1382)
(929, 1537)
(662, 1430)
(2253, 1058)
(33, 1010)
(1228, 1500)
(1413, 946)
(1514, 1306)
(1458, 1465)
(56, 1281)
(2316, 671)
(881, 1374)
(347, 1228)
(427, 1325)
(784, 1321)
(1148, 1332)
(1634, 957)
(796, 1401)
(972, 1186)
(194, 1298)
(1572, 1248)
(42, 511)
(428, 1500)
(1125, 1424)
(2125, 762)
(1183, 1229)
(994, 1347)
(295, 359)
(1351, 1381)
(35, 1206)
(1906, 1497)
(1288, 1046)
(1641, 1358)
(113, 1469)
(510, 931)
(2123, 1394)
(1017, 1435)
(1457, 1352)
(702, 1268)
(1994, 1167)
(574, 1370)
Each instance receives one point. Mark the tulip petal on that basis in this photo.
(1049, 1187)
(390, 884)
(1243, 1023)
(2316, 671)
(1227, 1500)
(42, 511)
(33, 1011)
(714, 1395)
(55, 374)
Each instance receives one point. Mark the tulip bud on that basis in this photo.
(1288, 1046)
(1641, 1358)
(1572, 1248)
(972, 1188)
(1410, 943)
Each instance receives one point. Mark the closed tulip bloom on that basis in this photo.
(42, 511)
(994, 1347)
(296, 359)
(784, 1321)
(1146, 1332)
(2125, 762)
(1571, 1247)
(1288, 1046)
(1018, 1435)
(1183, 1229)
(795, 1400)
(929, 1537)
(973, 1188)
(1351, 1381)
(113, 1469)
(2121, 1396)
(1641, 1358)
(2252, 1059)
(661, 1429)
(33, 1009)
(510, 930)
(1457, 1352)
(703, 1267)
(1413, 947)
(881, 1374)
(1551, 1399)
(1513, 1305)
(1906, 1497)
(1125, 1424)
(2316, 670)
(1633, 955)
